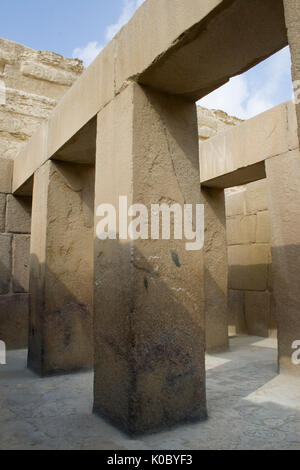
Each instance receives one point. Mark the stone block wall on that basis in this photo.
(31, 84)
(249, 244)
(249, 259)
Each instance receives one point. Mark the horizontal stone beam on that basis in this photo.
(189, 48)
(237, 156)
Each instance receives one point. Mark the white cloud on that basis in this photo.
(129, 8)
(88, 53)
(247, 95)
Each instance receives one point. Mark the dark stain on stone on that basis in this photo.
(67, 338)
(175, 258)
(146, 283)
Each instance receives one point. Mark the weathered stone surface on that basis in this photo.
(257, 196)
(34, 83)
(148, 296)
(6, 173)
(2, 212)
(215, 270)
(237, 152)
(284, 197)
(18, 214)
(20, 269)
(241, 230)
(5, 263)
(49, 74)
(236, 203)
(257, 313)
(263, 228)
(61, 273)
(248, 267)
(236, 312)
(212, 122)
(153, 62)
(14, 320)
(292, 20)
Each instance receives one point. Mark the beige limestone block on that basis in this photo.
(257, 196)
(2, 212)
(236, 312)
(284, 203)
(236, 203)
(248, 266)
(6, 172)
(18, 214)
(241, 230)
(292, 20)
(148, 295)
(20, 270)
(215, 270)
(5, 263)
(61, 269)
(235, 150)
(263, 227)
(14, 310)
(49, 74)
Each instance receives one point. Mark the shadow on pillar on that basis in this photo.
(60, 339)
(149, 336)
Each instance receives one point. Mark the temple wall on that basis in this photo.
(249, 244)
(31, 84)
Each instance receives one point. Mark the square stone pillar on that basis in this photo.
(61, 269)
(284, 203)
(149, 294)
(292, 21)
(215, 269)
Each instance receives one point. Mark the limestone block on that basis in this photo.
(17, 124)
(236, 312)
(6, 171)
(148, 295)
(14, 311)
(18, 214)
(257, 196)
(5, 263)
(241, 230)
(263, 227)
(292, 19)
(236, 203)
(2, 212)
(61, 272)
(284, 197)
(216, 269)
(29, 104)
(236, 149)
(257, 313)
(49, 74)
(21, 254)
(248, 266)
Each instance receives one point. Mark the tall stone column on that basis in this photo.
(292, 21)
(215, 269)
(284, 204)
(61, 269)
(148, 297)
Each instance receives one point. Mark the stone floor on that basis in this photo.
(250, 407)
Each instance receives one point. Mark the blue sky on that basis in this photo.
(78, 28)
